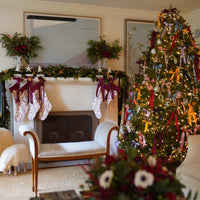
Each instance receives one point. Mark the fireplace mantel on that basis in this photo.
(69, 95)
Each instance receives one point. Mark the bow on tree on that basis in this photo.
(164, 51)
(173, 114)
(191, 113)
(182, 55)
(173, 74)
(159, 137)
(185, 132)
(157, 68)
(159, 112)
(166, 26)
(142, 140)
(138, 90)
(193, 68)
(151, 100)
(147, 123)
(186, 75)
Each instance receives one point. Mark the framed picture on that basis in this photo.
(63, 38)
(137, 41)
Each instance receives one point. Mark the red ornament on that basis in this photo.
(197, 70)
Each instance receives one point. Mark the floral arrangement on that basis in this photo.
(127, 176)
(21, 45)
(101, 49)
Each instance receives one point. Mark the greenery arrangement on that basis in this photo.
(4, 111)
(128, 176)
(21, 45)
(102, 49)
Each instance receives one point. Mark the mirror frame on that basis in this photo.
(25, 13)
(145, 27)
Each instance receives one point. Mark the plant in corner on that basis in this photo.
(20, 45)
(101, 49)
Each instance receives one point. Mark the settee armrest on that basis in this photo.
(103, 134)
(192, 155)
(33, 139)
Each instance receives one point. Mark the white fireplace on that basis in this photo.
(68, 95)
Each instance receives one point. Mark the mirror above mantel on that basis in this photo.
(64, 38)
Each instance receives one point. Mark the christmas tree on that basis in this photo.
(163, 104)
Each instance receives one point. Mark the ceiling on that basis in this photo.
(184, 6)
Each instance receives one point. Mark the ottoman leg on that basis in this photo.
(19, 167)
(15, 170)
(9, 171)
(5, 172)
(25, 167)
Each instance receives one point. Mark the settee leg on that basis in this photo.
(9, 171)
(19, 167)
(36, 177)
(33, 174)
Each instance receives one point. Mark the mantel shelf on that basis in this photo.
(59, 80)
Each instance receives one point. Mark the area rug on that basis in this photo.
(54, 179)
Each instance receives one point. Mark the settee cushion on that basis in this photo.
(70, 149)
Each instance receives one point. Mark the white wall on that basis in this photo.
(113, 21)
(193, 21)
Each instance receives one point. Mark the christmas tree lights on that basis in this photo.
(163, 107)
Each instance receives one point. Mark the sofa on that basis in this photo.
(188, 172)
(100, 146)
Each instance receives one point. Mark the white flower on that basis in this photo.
(143, 179)
(105, 179)
(151, 160)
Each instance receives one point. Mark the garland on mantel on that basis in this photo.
(64, 72)
(67, 72)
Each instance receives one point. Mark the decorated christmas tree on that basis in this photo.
(163, 105)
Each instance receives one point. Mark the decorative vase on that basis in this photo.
(19, 63)
(102, 63)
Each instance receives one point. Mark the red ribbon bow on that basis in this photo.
(173, 114)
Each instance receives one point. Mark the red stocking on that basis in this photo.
(23, 107)
(20, 98)
(41, 97)
(34, 106)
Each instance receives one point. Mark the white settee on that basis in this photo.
(100, 146)
(188, 172)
